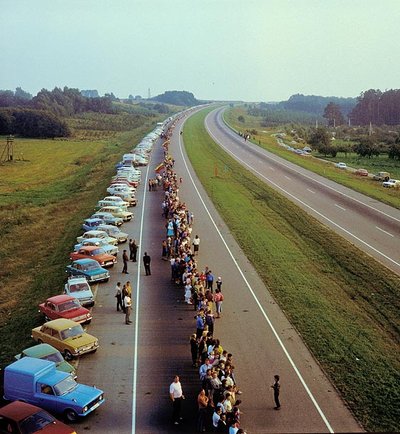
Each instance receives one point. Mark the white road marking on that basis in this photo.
(287, 177)
(387, 233)
(296, 199)
(274, 158)
(343, 209)
(311, 191)
(136, 335)
(271, 168)
(327, 424)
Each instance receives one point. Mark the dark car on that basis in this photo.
(23, 418)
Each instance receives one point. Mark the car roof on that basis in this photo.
(40, 350)
(85, 261)
(60, 298)
(18, 410)
(60, 324)
(89, 248)
(92, 219)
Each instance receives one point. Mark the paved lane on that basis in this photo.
(135, 364)
(371, 225)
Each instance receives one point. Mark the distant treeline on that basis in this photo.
(40, 116)
(316, 104)
(372, 106)
(379, 108)
(177, 97)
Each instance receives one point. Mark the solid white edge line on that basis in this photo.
(136, 335)
(274, 158)
(300, 201)
(325, 420)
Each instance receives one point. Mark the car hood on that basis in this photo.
(81, 340)
(82, 395)
(74, 313)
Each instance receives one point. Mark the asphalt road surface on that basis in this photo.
(371, 225)
(136, 363)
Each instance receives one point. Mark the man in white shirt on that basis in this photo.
(128, 309)
(176, 395)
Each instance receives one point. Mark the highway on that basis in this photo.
(370, 225)
(135, 363)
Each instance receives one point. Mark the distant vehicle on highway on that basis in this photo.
(381, 176)
(391, 183)
(361, 172)
(65, 306)
(91, 224)
(341, 165)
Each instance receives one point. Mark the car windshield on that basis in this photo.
(71, 332)
(35, 422)
(55, 357)
(98, 252)
(91, 266)
(68, 305)
(65, 386)
(78, 287)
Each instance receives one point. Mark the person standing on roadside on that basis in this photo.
(202, 402)
(218, 299)
(146, 263)
(118, 295)
(125, 261)
(133, 250)
(176, 395)
(196, 245)
(128, 309)
(276, 386)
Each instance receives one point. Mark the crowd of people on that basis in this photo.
(218, 402)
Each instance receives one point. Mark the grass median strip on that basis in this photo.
(344, 304)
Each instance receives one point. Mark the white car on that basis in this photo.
(121, 188)
(97, 234)
(79, 288)
(116, 201)
(391, 183)
(341, 165)
(114, 232)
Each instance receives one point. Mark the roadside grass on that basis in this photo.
(43, 202)
(323, 165)
(344, 304)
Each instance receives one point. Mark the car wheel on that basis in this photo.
(67, 355)
(106, 280)
(71, 415)
(39, 341)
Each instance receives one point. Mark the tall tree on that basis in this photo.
(333, 114)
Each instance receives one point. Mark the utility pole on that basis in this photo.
(8, 150)
(148, 93)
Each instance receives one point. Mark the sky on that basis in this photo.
(249, 50)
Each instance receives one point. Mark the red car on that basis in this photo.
(21, 418)
(65, 306)
(361, 172)
(96, 253)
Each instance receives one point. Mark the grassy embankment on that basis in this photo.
(344, 304)
(323, 167)
(43, 202)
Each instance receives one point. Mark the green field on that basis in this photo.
(344, 304)
(323, 165)
(45, 194)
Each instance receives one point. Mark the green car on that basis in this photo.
(47, 352)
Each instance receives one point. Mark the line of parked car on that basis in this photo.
(384, 177)
(42, 375)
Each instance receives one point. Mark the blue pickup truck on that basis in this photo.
(38, 382)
